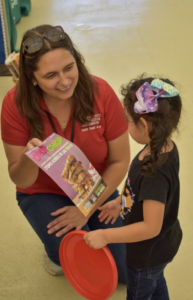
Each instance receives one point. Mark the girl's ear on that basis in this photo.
(145, 126)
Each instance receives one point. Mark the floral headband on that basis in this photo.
(147, 100)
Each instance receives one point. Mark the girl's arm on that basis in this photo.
(22, 171)
(153, 214)
(119, 159)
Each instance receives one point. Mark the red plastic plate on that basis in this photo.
(92, 273)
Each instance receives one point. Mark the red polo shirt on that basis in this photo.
(107, 124)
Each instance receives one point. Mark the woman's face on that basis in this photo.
(57, 75)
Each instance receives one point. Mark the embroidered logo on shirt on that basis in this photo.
(95, 123)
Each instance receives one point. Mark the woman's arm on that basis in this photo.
(22, 171)
(153, 214)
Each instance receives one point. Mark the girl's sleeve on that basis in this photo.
(155, 188)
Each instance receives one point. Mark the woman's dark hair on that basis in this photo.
(164, 121)
(28, 95)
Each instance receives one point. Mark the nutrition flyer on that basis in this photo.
(67, 165)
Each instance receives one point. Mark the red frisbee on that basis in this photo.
(92, 273)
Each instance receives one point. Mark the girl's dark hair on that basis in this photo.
(164, 121)
(28, 95)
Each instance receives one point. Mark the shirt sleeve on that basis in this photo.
(155, 188)
(115, 120)
(14, 128)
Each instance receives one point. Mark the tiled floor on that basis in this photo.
(119, 39)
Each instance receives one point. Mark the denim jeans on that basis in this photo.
(147, 284)
(37, 209)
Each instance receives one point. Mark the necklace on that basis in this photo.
(57, 112)
(63, 123)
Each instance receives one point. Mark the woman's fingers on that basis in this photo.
(108, 220)
(102, 213)
(105, 215)
(64, 230)
(59, 211)
(34, 143)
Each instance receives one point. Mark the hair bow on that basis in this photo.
(147, 100)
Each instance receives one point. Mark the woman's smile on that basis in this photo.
(64, 89)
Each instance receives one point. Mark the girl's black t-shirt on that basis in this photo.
(162, 186)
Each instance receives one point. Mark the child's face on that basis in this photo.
(137, 131)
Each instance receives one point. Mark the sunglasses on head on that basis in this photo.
(35, 42)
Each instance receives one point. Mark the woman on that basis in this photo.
(56, 93)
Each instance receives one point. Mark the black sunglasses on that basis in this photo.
(35, 42)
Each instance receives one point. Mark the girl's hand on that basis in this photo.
(69, 217)
(96, 239)
(110, 211)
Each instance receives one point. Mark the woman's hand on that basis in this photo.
(110, 211)
(22, 170)
(69, 217)
(32, 144)
(96, 239)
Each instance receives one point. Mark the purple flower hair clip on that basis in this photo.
(147, 100)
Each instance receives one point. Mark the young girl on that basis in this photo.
(150, 198)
